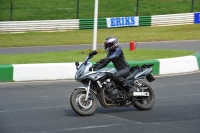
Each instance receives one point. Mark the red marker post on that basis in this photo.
(132, 45)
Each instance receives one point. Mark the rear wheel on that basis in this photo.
(80, 106)
(145, 103)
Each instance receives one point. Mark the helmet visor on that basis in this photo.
(107, 49)
(108, 46)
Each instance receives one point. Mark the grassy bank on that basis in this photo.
(72, 56)
(67, 9)
(138, 34)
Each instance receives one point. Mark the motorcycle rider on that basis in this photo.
(116, 56)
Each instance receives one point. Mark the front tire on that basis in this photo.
(145, 103)
(80, 106)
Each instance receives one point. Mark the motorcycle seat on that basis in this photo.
(147, 65)
(132, 74)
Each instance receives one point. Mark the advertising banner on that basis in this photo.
(197, 17)
(122, 21)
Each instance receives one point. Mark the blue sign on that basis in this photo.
(122, 21)
(197, 17)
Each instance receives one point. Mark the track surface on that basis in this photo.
(39, 107)
(43, 107)
(186, 45)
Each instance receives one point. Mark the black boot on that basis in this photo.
(128, 88)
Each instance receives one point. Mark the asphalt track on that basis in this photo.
(185, 45)
(44, 107)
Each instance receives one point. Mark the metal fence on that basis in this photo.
(26, 10)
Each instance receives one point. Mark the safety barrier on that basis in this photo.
(44, 25)
(88, 23)
(80, 24)
(172, 19)
(145, 21)
(58, 71)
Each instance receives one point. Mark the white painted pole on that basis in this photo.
(95, 25)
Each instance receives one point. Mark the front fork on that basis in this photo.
(87, 90)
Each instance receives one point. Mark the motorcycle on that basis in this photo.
(99, 86)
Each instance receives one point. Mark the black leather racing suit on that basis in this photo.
(117, 58)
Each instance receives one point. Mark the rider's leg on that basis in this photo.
(120, 76)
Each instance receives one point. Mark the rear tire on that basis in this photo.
(145, 104)
(80, 106)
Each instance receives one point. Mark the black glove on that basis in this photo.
(102, 61)
(95, 66)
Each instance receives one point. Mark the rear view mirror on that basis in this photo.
(93, 53)
(77, 63)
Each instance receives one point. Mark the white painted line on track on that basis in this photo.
(89, 127)
(179, 84)
(41, 96)
(177, 74)
(189, 95)
(123, 119)
(28, 109)
(80, 128)
(42, 81)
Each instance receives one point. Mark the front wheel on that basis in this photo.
(80, 106)
(145, 103)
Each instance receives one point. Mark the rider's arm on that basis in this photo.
(114, 55)
(104, 62)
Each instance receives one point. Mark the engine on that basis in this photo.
(112, 91)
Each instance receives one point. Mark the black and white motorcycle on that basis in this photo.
(99, 86)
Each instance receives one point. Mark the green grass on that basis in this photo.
(137, 34)
(72, 56)
(67, 9)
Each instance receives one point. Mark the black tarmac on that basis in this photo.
(44, 107)
(185, 45)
